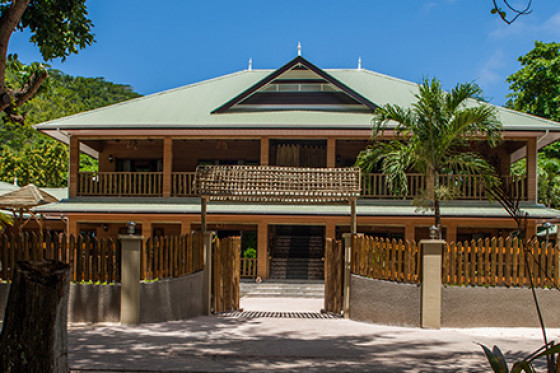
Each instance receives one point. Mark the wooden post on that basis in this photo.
(330, 230)
(73, 166)
(331, 152)
(203, 214)
(265, 151)
(347, 278)
(409, 232)
(451, 232)
(262, 250)
(72, 227)
(167, 165)
(207, 242)
(185, 227)
(532, 170)
(34, 336)
(131, 246)
(353, 222)
(431, 283)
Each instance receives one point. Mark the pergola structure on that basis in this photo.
(21, 202)
(273, 184)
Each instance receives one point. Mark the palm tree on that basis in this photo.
(434, 137)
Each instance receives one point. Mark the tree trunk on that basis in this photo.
(34, 335)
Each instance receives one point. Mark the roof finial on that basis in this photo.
(359, 63)
(250, 64)
(299, 48)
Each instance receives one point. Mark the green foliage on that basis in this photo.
(548, 169)
(499, 365)
(58, 27)
(536, 86)
(35, 158)
(5, 220)
(434, 138)
(250, 253)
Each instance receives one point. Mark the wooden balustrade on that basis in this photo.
(248, 267)
(375, 186)
(182, 184)
(464, 187)
(120, 183)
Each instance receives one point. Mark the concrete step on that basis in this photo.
(271, 288)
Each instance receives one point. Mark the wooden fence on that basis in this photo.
(172, 256)
(500, 262)
(226, 274)
(490, 262)
(334, 273)
(248, 267)
(386, 259)
(96, 260)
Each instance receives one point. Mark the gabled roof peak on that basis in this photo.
(298, 85)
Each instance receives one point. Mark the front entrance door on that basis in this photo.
(297, 252)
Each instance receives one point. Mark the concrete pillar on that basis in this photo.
(331, 152)
(265, 151)
(431, 283)
(347, 267)
(532, 170)
(73, 166)
(131, 246)
(262, 250)
(208, 235)
(167, 165)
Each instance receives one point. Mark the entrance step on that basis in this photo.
(297, 268)
(284, 288)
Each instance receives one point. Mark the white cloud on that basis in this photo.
(528, 27)
(491, 72)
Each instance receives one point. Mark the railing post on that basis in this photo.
(131, 247)
(431, 283)
(207, 245)
(347, 263)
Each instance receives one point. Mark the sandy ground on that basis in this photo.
(222, 344)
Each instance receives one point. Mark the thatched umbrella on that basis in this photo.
(21, 201)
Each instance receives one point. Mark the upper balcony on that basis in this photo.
(165, 167)
(150, 184)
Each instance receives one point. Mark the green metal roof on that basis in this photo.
(191, 106)
(364, 208)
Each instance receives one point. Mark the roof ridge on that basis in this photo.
(137, 99)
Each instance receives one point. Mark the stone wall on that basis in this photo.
(164, 300)
(468, 307)
(384, 302)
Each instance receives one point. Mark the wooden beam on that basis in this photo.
(532, 170)
(73, 166)
(167, 165)
(331, 152)
(265, 150)
(262, 250)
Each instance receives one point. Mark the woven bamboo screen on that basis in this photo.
(277, 184)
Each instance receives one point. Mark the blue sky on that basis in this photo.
(158, 45)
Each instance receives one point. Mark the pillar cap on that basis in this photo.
(130, 237)
(433, 241)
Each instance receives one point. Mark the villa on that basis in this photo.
(298, 116)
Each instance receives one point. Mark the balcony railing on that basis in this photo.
(182, 184)
(466, 187)
(120, 183)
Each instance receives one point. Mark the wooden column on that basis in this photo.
(265, 151)
(451, 232)
(353, 217)
(185, 227)
(331, 152)
(531, 229)
(146, 229)
(73, 166)
(330, 230)
(72, 227)
(532, 170)
(262, 250)
(409, 232)
(167, 165)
